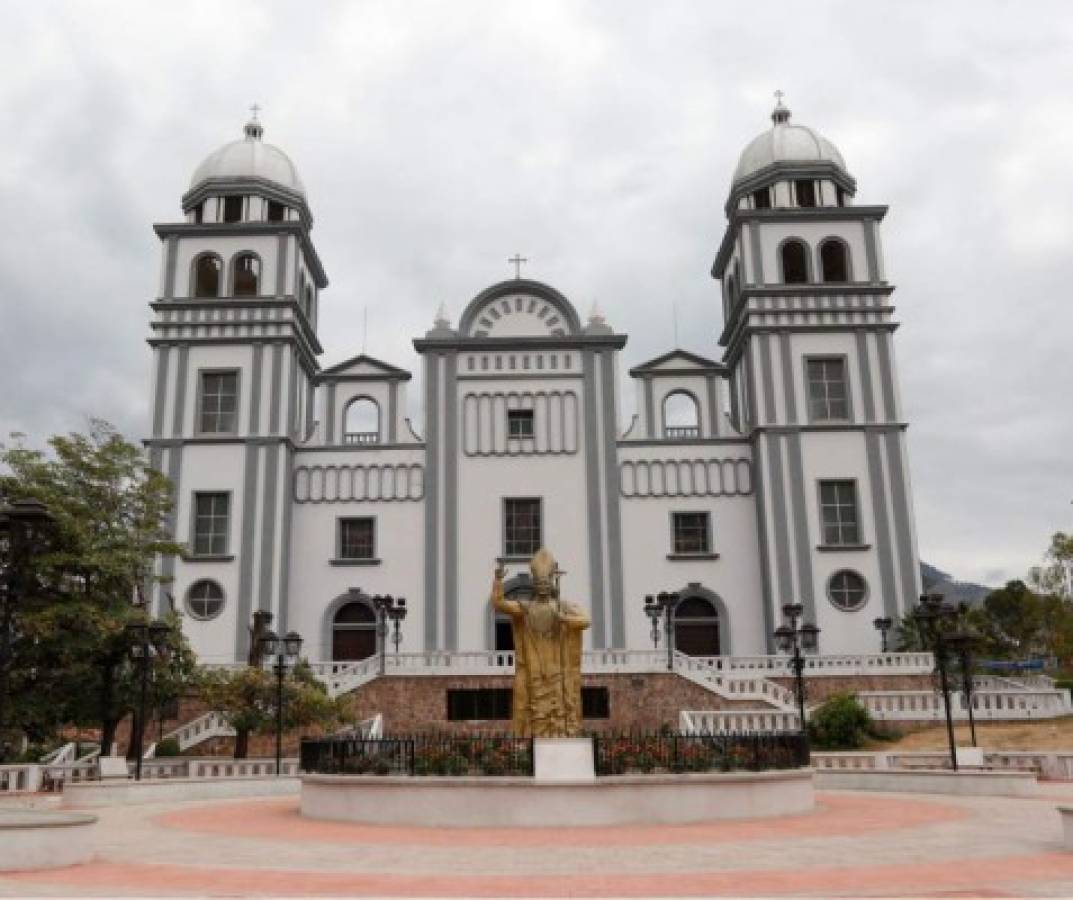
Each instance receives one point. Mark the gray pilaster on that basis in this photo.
(167, 566)
(281, 266)
(865, 368)
(393, 411)
(248, 534)
(767, 376)
(782, 519)
(310, 397)
(180, 392)
(450, 501)
(432, 499)
(751, 413)
(760, 488)
(788, 392)
(884, 551)
(715, 414)
(735, 410)
(329, 414)
(886, 376)
(268, 526)
(650, 407)
(757, 254)
(275, 394)
(255, 388)
(611, 500)
(160, 398)
(171, 251)
(592, 485)
(291, 425)
(871, 250)
(285, 543)
(907, 568)
(802, 543)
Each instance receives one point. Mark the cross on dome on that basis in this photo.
(254, 130)
(781, 114)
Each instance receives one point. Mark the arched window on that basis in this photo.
(353, 632)
(246, 275)
(361, 422)
(207, 276)
(696, 627)
(680, 415)
(834, 261)
(205, 599)
(794, 258)
(847, 590)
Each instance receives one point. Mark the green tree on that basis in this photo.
(840, 723)
(246, 698)
(69, 660)
(1055, 576)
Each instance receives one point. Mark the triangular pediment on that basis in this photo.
(364, 367)
(678, 362)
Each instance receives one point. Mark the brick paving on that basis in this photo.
(854, 844)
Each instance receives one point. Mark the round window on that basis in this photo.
(847, 590)
(205, 599)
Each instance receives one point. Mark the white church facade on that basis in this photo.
(776, 473)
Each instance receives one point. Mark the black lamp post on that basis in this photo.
(932, 612)
(793, 638)
(883, 625)
(387, 607)
(662, 605)
(962, 643)
(25, 528)
(285, 650)
(147, 639)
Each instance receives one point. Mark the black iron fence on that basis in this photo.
(621, 754)
(422, 754)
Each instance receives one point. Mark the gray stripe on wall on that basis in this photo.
(393, 410)
(432, 498)
(161, 397)
(285, 544)
(611, 494)
(882, 535)
(450, 501)
(180, 392)
(275, 398)
(308, 425)
(245, 566)
(715, 414)
(765, 557)
(171, 248)
(907, 568)
(758, 257)
(785, 589)
(291, 424)
(788, 392)
(650, 407)
(871, 250)
(281, 265)
(767, 377)
(167, 568)
(886, 376)
(800, 518)
(735, 413)
(268, 526)
(592, 483)
(329, 414)
(867, 390)
(752, 414)
(255, 388)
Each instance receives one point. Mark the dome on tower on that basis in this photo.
(250, 157)
(787, 143)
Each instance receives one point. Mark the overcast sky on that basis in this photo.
(598, 139)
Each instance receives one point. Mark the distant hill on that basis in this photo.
(940, 582)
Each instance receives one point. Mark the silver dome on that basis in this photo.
(784, 142)
(250, 158)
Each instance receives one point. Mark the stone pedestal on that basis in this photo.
(563, 760)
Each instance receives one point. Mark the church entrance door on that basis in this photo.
(696, 627)
(353, 632)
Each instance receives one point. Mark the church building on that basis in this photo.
(771, 470)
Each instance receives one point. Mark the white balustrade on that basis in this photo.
(722, 721)
(20, 778)
(987, 704)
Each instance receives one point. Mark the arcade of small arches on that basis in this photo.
(797, 265)
(244, 278)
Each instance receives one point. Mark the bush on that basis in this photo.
(167, 747)
(840, 723)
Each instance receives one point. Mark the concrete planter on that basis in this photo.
(44, 839)
(930, 781)
(175, 790)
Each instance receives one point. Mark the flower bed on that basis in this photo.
(426, 754)
(646, 753)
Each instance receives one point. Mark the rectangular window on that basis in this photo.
(521, 526)
(595, 703)
(838, 511)
(357, 538)
(211, 514)
(218, 406)
(762, 198)
(275, 211)
(232, 209)
(828, 393)
(519, 422)
(691, 532)
(479, 704)
(805, 192)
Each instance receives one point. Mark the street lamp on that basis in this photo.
(931, 613)
(883, 625)
(387, 607)
(962, 643)
(146, 639)
(662, 605)
(285, 650)
(25, 531)
(793, 638)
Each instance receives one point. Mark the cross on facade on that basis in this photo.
(778, 96)
(517, 261)
(255, 109)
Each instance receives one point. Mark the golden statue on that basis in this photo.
(547, 653)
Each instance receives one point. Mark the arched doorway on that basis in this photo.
(353, 632)
(696, 627)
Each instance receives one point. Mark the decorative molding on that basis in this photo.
(384, 483)
(485, 430)
(643, 478)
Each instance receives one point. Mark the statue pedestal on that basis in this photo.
(563, 759)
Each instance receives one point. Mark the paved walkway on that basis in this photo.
(855, 843)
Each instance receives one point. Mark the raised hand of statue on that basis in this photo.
(500, 573)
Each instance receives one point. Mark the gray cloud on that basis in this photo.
(596, 138)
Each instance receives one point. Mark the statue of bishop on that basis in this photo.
(547, 653)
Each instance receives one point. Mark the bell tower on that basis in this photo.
(808, 337)
(234, 338)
